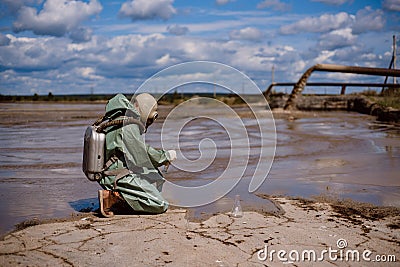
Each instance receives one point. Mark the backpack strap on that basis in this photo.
(118, 173)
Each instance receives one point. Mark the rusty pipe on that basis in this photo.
(299, 86)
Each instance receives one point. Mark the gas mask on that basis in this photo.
(147, 106)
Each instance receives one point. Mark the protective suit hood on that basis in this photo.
(120, 105)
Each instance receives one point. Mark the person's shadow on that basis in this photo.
(91, 205)
(85, 205)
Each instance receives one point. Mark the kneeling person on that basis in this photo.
(138, 190)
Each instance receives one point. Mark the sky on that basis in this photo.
(79, 47)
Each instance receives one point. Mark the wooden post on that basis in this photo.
(394, 57)
(343, 91)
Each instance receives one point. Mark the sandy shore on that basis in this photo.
(338, 233)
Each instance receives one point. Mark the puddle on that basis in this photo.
(344, 155)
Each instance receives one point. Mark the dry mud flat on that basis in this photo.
(309, 233)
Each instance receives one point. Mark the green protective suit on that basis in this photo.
(141, 189)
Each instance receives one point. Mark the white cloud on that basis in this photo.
(368, 19)
(344, 77)
(324, 56)
(223, 2)
(360, 55)
(81, 34)
(323, 23)
(87, 73)
(12, 6)
(369, 56)
(177, 29)
(248, 33)
(106, 62)
(337, 39)
(129, 51)
(223, 21)
(214, 26)
(391, 5)
(146, 9)
(333, 2)
(365, 20)
(119, 55)
(274, 4)
(79, 65)
(57, 17)
(28, 54)
(4, 40)
(165, 60)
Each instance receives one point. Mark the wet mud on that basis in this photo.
(339, 155)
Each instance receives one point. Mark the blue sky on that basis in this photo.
(69, 47)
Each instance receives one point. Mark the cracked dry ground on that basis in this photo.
(170, 240)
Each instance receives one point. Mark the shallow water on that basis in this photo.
(340, 154)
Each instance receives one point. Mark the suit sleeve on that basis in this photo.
(138, 153)
(158, 157)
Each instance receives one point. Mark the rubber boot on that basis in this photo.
(111, 202)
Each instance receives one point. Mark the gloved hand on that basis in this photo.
(171, 155)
